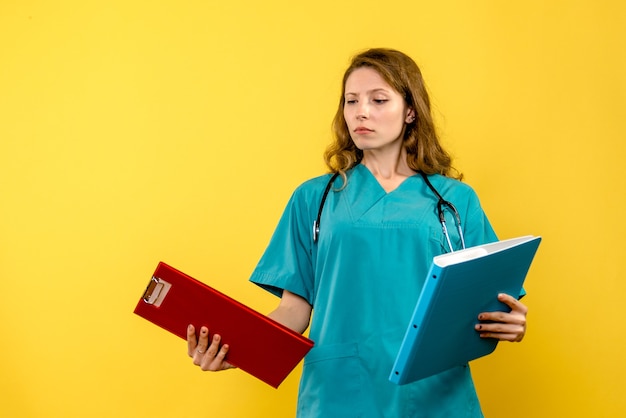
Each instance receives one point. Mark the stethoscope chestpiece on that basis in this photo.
(316, 231)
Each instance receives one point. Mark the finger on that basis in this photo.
(218, 362)
(221, 357)
(214, 348)
(503, 317)
(512, 337)
(499, 328)
(512, 303)
(192, 341)
(504, 332)
(516, 315)
(201, 348)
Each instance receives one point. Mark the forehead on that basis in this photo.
(366, 79)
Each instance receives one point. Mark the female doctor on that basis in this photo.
(362, 266)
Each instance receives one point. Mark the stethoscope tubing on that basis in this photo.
(442, 204)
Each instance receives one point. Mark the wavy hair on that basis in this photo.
(424, 150)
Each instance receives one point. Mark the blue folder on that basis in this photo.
(459, 286)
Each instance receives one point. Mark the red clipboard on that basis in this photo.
(259, 345)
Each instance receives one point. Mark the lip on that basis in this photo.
(362, 130)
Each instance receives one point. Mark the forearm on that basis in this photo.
(293, 312)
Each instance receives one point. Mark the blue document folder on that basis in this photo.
(459, 286)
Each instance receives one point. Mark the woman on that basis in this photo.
(363, 269)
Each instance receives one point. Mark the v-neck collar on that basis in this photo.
(364, 192)
(365, 172)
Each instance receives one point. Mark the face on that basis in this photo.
(375, 113)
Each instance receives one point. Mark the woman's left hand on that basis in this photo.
(504, 326)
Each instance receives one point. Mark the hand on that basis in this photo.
(208, 357)
(502, 325)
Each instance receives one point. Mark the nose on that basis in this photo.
(362, 111)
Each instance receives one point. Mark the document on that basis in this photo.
(459, 286)
(257, 344)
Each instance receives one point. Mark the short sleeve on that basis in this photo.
(286, 263)
(478, 229)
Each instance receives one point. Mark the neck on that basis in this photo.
(387, 167)
(389, 171)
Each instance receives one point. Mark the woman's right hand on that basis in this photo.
(209, 357)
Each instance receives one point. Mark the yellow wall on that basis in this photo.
(139, 131)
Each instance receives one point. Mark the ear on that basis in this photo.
(410, 116)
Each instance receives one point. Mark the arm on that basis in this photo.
(504, 326)
(293, 311)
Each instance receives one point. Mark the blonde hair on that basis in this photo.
(424, 151)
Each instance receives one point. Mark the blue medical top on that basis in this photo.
(363, 278)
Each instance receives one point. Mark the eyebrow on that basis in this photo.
(377, 90)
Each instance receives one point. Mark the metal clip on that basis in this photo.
(156, 291)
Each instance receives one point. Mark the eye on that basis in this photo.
(350, 101)
(380, 101)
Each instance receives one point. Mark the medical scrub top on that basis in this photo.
(363, 278)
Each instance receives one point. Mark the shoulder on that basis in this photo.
(315, 182)
(462, 195)
(314, 186)
(449, 185)
(309, 192)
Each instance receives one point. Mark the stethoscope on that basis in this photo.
(442, 205)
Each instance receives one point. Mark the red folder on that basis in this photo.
(258, 345)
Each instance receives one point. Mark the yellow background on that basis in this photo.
(138, 131)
